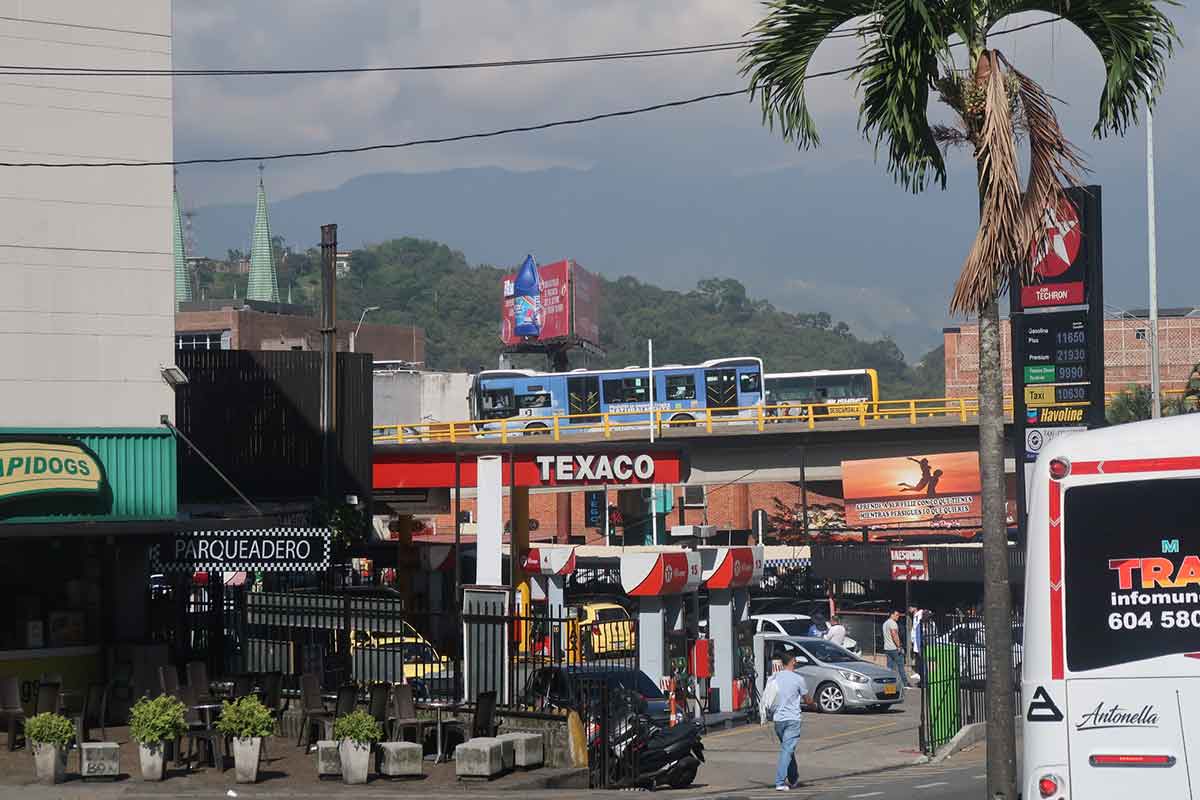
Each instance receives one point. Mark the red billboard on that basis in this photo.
(570, 304)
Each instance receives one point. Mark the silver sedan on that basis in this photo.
(837, 679)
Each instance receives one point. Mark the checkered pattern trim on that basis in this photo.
(263, 549)
(788, 563)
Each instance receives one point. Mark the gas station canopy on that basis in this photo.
(550, 561)
(731, 567)
(658, 574)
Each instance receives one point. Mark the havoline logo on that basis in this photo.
(1053, 414)
(32, 468)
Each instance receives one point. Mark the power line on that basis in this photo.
(448, 139)
(414, 142)
(685, 50)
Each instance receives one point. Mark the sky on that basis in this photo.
(238, 116)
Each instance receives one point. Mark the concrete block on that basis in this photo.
(99, 760)
(529, 749)
(329, 760)
(481, 758)
(507, 753)
(400, 759)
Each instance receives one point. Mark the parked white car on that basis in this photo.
(793, 625)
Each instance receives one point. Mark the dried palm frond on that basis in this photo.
(1012, 225)
(1001, 217)
(948, 136)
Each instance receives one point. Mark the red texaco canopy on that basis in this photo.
(550, 561)
(731, 567)
(655, 574)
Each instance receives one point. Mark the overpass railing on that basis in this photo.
(757, 418)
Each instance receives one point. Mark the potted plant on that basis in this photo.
(50, 735)
(355, 733)
(246, 720)
(153, 722)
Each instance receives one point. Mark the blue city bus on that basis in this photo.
(728, 386)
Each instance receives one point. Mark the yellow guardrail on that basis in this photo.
(760, 417)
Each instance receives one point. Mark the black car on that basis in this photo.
(568, 687)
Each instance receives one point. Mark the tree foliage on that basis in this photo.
(458, 305)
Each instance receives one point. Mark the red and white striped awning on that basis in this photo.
(658, 574)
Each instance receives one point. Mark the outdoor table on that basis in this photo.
(439, 707)
(207, 710)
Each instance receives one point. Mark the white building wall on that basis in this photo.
(86, 273)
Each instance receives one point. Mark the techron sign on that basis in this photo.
(41, 468)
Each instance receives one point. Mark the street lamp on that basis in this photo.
(354, 335)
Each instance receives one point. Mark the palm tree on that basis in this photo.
(910, 50)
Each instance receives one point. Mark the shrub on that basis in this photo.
(357, 726)
(50, 729)
(157, 720)
(246, 718)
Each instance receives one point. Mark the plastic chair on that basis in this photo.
(93, 713)
(405, 711)
(197, 676)
(11, 710)
(168, 680)
(49, 696)
(313, 710)
(347, 700)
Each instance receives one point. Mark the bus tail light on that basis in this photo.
(1048, 786)
(1115, 760)
(1060, 468)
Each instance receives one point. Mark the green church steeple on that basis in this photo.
(263, 284)
(183, 280)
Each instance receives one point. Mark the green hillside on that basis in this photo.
(458, 305)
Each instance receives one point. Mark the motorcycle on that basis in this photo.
(643, 755)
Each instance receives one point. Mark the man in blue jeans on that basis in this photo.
(791, 695)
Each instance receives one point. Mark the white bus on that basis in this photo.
(1110, 683)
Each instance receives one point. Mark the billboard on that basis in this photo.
(936, 493)
(570, 298)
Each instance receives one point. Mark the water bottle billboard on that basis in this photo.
(569, 300)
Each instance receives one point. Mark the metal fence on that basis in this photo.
(952, 666)
(344, 636)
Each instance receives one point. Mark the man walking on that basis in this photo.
(893, 646)
(791, 693)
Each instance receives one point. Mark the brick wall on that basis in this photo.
(255, 330)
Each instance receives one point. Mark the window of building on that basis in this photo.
(202, 340)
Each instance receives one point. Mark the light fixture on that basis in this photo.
(173, 375)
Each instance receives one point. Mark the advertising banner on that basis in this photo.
(569, 305)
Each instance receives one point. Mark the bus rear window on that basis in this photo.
(1131, 571)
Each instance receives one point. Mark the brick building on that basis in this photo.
(729, 507)
(256, 325)
(1126, 352)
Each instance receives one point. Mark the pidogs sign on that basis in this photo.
(266, 550)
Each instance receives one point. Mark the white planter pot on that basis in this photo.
(150, 755)
(356, 760)
(50, 761)
(245, 758)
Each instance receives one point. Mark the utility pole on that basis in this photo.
(1152, 259)
(653, 420)
(328, 361)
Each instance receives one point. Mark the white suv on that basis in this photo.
(793, 625)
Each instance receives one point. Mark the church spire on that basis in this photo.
(263, 283)
(183, 279)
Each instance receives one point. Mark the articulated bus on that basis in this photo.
(728, 386)
(823, 386)
(1110, 681)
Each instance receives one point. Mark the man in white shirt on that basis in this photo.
(790, 694)
(893, 646)
(836, 632)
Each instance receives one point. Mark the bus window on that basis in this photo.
(1132, 582)
(497, 402)
(681, 387)
(791, 390)
(541, 400)
(750, 383)
(626, 390)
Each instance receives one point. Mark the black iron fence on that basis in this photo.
(952, 667)
(530, 659)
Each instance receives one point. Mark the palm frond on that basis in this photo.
(904, 43)
(1001, 218)
(1053, 163)
(1135, 39)
(781, 50)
